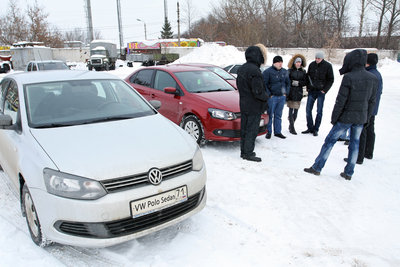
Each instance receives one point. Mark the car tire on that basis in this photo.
(32, 218)
(192, 125)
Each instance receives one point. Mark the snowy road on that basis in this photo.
(262, 214)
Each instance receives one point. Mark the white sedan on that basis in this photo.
(93, 163)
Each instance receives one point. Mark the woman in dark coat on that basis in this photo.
(297, 76)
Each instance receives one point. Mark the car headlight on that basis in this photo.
(71, 186)
(222, 114)
(198, 161)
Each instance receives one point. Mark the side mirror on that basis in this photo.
(5, 121)
(171, 90)
(156, 104)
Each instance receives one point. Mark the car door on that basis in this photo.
(11, 137)
(142, 81)
(171, 105)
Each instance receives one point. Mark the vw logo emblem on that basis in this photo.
(155, 176)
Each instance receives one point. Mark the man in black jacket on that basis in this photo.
(354, 107)
(253, 99)
(320, 80)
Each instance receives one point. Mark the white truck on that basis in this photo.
(103, 55)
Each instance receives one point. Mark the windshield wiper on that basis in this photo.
(54, 125)
(115, 118)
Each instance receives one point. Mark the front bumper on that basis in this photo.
(107, 221)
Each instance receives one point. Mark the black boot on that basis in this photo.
(291, 122)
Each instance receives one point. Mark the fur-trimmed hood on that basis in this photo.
(263, 51)
(303, 61)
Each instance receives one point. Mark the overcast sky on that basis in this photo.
(67, 15)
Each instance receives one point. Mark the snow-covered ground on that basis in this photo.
(261, 214)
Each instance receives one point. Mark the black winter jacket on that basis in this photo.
(320, 76)
(296, 92)
(250, 83)
(355, 101)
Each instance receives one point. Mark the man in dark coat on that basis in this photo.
(320, 80)
(367, 138)
(253, 99)
(354, 107)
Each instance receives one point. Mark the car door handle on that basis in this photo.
(153, 95)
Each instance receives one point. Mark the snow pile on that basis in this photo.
(214, 54)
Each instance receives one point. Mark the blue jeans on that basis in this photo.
(275, 108)
(312, 97)
(337, 130)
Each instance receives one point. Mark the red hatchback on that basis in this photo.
(197, 99)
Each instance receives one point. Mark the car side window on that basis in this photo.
(144, 78)
(29, 66)
(4, 86)
(227, 67)
(34, 67)
(235, 69)
(162, 80)
(11, 103)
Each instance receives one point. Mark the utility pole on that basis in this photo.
(179, 26)
(165, 10)
(121, 38)
(89, 21)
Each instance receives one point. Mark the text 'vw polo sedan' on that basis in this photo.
(85, 154)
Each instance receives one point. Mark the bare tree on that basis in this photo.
(189, 14)
(13, 26)
(363, 9)
(38, 26)
(339, 9)
(381, 7)
(394, 19)
(300, 10)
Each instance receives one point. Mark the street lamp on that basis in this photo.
(145, 31)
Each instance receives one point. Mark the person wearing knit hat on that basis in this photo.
(367, 138)
(277, 84)
(298, 79)
(320, 80)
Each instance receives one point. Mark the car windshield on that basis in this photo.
(52, 66)
(221, 73)
(98, 52)
(203, 81)
(67, 103)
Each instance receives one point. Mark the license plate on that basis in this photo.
(158, 202)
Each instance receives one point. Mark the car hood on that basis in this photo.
(226, 100)
(116, 149)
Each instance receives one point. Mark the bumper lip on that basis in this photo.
(106, 242)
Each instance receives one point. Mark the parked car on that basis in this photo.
(5, 64)
(218, 70)
(197, 99)
(233, 69)
(85, 154)
(46, 65)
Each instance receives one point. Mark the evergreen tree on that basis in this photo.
(166, 32)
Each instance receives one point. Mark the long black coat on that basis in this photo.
(250, 83)
(296, 92)
(355, 101)
(320, 76)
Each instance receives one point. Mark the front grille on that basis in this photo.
(124, 183)
(129, 225)
(96, 61)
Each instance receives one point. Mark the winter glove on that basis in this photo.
(295, 83)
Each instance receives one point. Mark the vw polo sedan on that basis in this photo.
(83, 152)
(197, 99)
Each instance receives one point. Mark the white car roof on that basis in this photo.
(59, 75)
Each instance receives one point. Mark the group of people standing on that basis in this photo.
(356, 104)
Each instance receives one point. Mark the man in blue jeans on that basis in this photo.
(320, 79)
(353, 108)
(277, 84)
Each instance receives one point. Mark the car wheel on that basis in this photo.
(192, 125)
(32, 218)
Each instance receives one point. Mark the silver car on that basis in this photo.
(46, 65)
(93, 163)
